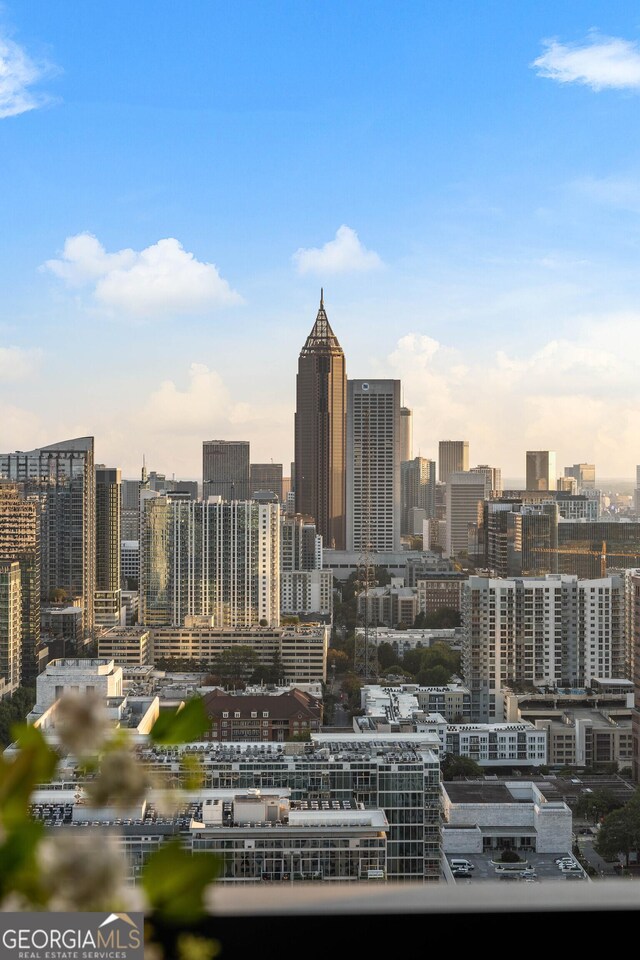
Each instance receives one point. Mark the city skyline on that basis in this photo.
(474, 228)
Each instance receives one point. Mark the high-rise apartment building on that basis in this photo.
(541, 470)
(225, 469)
(453, 457)
(466, 493)
(266, 476)
(555, 631)
(306, 590)
(10, 627)
(321, 406)
(584, 474)
(373, 465)
(406, 434)
(418, 485)
(213, 559)
(20, 540)
(108, 539)
(62, 478)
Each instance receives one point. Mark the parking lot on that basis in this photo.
(543, 864)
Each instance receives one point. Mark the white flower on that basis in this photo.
(82, 723)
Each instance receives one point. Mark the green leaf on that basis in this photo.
(175, 880)
(18, 858)
(34, 763)
(181, 725)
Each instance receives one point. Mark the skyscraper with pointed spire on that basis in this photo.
(320, 432)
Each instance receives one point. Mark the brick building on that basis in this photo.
(237, 717)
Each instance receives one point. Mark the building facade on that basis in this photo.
(266, 476)
(541, 470)
(261, 717)
(10, 627)
(466, 493)
(320, 437)
(210, 558)
(418, 486)
(62, 478)
(108, 505)
(373, 465)
(301, 649)
(553, 631)
(226, 469)
(20, 541)
(453, 457)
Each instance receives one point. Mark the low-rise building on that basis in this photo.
(129, 645)
(302, 648)
(394, 709)
(415, 638)
(260, 835)
(261, 717)
(587, 728)
(440, 592)
(481, 816)
(389, 605)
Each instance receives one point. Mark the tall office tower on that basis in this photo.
(453, 457)
(584, 474)
(636, 497)
(266, 476)
(567, 485)
(541, 470)
(10, 627)
(20, 540)
(406, 434)
(300, 544)
(321, 405)
(130, 509)
(466, 493)
(62, 476)
(494, 478)
(418, 485)
(214, 559)
(108, 538)
(520, 539)
(225, 469)
(373, 465)
(547, 631)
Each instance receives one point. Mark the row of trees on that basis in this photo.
(620, 831)
(234, 667)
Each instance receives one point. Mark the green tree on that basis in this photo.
(620, 832)
(436, 676)
(593, 806)
(338, 659)
(235, 666)
(453, 766)
(387, 656)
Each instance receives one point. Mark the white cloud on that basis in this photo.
(161, 279)
(18, 364)
(598, 62)
(578, 396)
(18, 73)
(345, 254)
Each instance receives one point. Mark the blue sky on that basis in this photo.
(178, 180)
